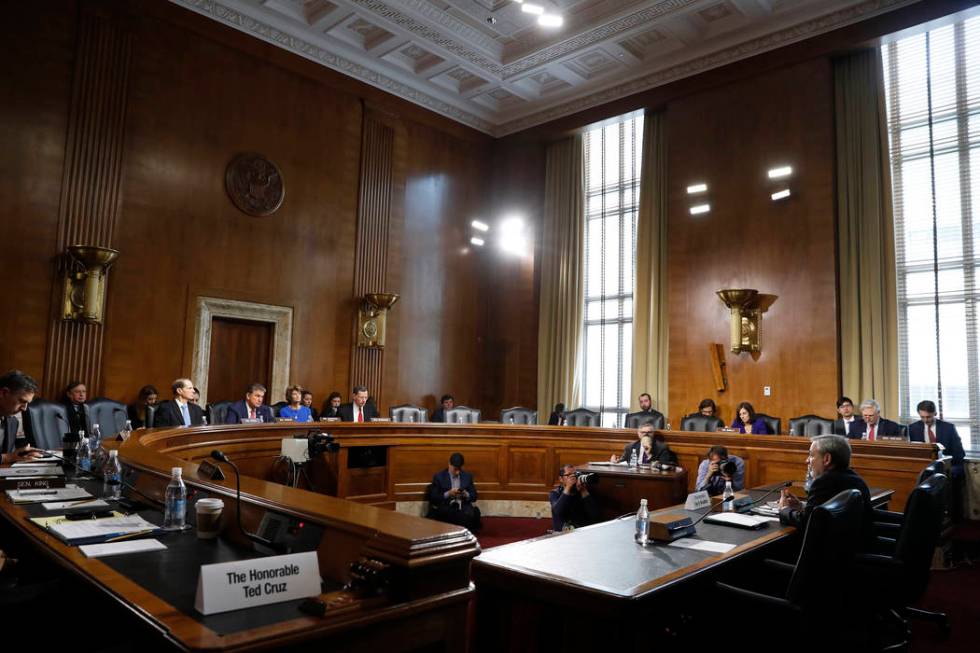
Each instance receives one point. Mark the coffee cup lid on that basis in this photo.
(212, 504)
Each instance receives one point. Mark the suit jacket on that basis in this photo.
(133, 415)
(439, 415)
(442, 483)
(9, 434)
(660, 453)
(239, 411)
(347, 412)
(572, 509)
(77, 416)
(168, 414)
(329, 411)
(947, 436)
(759, 426)
(824, 488)
(884, 427)
(840, 428)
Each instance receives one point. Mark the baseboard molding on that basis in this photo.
(492, 508)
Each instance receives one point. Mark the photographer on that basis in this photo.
(718, 469)
(571, 504)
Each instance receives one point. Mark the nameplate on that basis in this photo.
(210, 471)
(697, 501)
(33, 483)
(380, 419)
(248, 583)
(251, 420)
(329, 419)
(284, 419)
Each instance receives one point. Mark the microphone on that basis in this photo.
(220, 456)
(715, 507)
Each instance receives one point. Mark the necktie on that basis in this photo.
(871, 432)
(932, 435)
(251, 412)
(360, 415)
(185, 413)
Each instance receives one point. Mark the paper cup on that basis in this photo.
(209, 518)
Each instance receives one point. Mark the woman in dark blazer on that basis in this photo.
(137, 412)
(746, 421)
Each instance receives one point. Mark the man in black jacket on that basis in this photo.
(75, 395)
(830, 465)
(873, 426)
(648, 449)
(359, 409)
(179, 411)
(16, 391)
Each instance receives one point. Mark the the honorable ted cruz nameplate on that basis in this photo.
(248, 583)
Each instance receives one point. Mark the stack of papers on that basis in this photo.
(737, 520)
(67, 493)
(19, 469)
(89, 531)
(119, 548)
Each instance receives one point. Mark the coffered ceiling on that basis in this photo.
(488, 64)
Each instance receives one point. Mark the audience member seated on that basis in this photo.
(845, 408)
(331, 407)
(572, 506)
(873, 426)
(452, 495)
(829, 463)
(647, 448)
(295, 410)
(708, 408)
(448, 403)
(307, 400)
(359, 409)
(557, 417)
(930, 429)
(196, 397)
(75, 395)
(646, 414)
(719, 468)
(179, 411)
(16, 391)
(137, 412)
(251, 407)
(746, 421)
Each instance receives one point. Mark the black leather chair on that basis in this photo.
(276, 407)
(518, 415)
(775, 424)
(633, 420)
(45, 423)
(408, 413)
(110, 415)
(217, 411)
(701, 423)
(581, 417)
(810, 426)
(151, 414)
(462, 415)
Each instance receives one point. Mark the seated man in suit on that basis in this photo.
(872, 425)
(16, 391)
(448, 403)
(251, 407)
(719, 468)
(331, 407)
(829, 462)
(75, 395)
(572, 506)
(452, 495)
(845, 408)
(359, 409)
(179, 411)
(648, 449)
(647, 412)
(930, 429)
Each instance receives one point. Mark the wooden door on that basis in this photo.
(241, 353)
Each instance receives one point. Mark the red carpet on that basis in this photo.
(504, 530)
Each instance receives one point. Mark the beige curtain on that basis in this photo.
(650, 293)
(866, 245)
(562, 278)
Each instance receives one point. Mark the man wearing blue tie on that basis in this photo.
(180, 411)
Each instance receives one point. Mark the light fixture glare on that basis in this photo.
(698, 209)
(529, 8)
(780, 172)
(694, 189)
(480, 226)
(550, 20)
(780, 195)
(476, 241)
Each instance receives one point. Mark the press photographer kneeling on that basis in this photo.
(719, 468)
(572, 505)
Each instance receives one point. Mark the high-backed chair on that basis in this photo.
(701, 423)
(110, 415)
(276, 407)
(810, 426)
(217, 411)
(581, 417)
(518, 415)
(45, 423)
(775, 424)
(462, 415)
(151, 415)
(633, 420)
(408, 413)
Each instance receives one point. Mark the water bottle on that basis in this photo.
(175, 503)
(728, 498)
(112, 477)
(634, 460)
(809, 478)
(126, 431)
(510, 418)
(204, 420)
(642, 523)
(99, 453)
(84, 455)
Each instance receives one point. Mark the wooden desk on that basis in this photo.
(620, 488)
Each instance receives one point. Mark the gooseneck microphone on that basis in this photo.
(219, 455)
(715, 507)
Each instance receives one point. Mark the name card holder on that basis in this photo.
(37, 483)
(210, 471)
(251, 420)
(697, 501)
(248, 583)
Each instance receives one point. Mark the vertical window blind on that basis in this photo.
(612, 196)
(932, 84)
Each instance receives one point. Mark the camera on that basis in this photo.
(320, 443)
(586, 477)
(727, 467)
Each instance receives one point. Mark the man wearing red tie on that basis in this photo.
(873, 426)
(359, 409)
(937, 431)
(251, 408)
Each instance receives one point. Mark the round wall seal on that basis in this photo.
(254, 184)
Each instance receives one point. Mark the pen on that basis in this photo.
(128, 535)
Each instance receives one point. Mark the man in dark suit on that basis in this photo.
(359, 409)
(331, 407)
(647, 413)
(845, 408)
(75, 395)
(448, 403)
(830, 465)
(251, 407)
(572, 506)
(930, 429)
(872, 425)
(452, 495)
(179, 411)
(648, 449)
(16, 391)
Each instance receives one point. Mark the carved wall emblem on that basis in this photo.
(254, 184)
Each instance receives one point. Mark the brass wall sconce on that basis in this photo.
(372, 318)
(85, 282)
(747, 306)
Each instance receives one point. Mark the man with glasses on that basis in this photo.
(572, 506)
(873, 426)
(648, 447)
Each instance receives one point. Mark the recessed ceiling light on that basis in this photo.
(481, 226)
(477, 241)
(529, 8)
(698, 209)
(550, 20)
(780, 172)
(780, 195)
(694, 189)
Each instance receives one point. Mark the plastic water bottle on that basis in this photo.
(204, 420)
(642, 523)
(510, 418)
(728, 498)
(99, 453)
(84, 455)
(634, 460)
(809, 479)
(175, 504)
(126, 431)
(112, 477)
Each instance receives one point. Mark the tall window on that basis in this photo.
(612, 197)
(932, 83)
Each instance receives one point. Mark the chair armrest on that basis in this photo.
(883, 545)
(889, 516)
(759, 598)
(779, 565)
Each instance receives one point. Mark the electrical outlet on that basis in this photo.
(767, 391)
